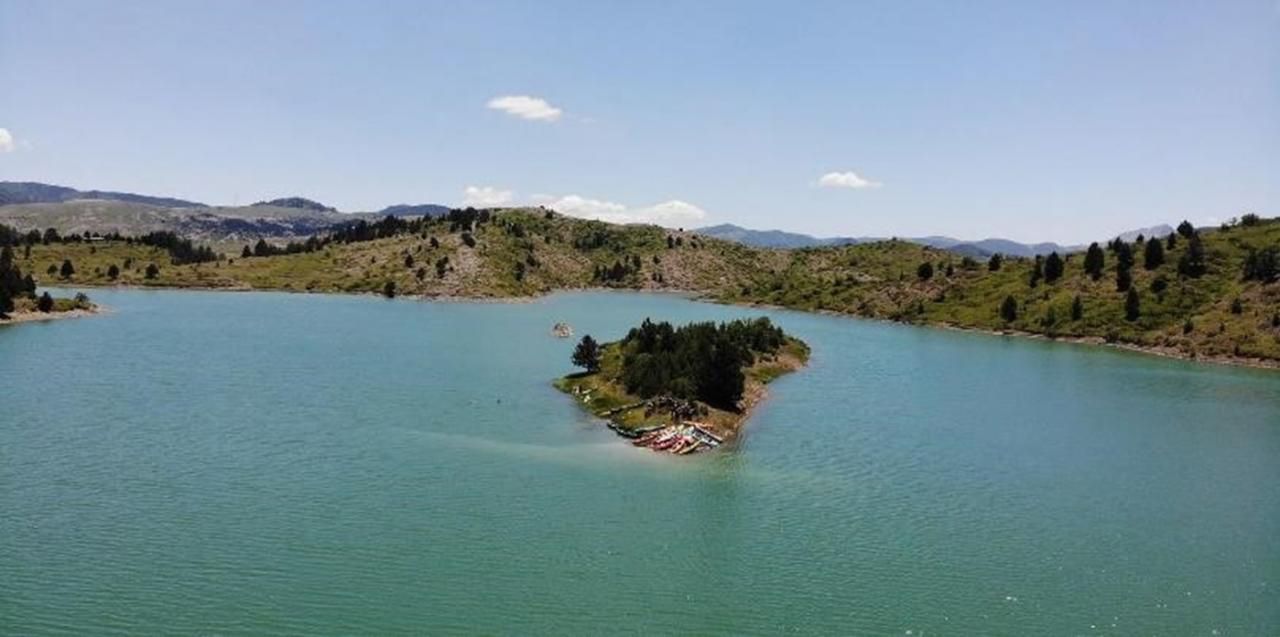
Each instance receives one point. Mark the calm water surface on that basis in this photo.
(222, 463)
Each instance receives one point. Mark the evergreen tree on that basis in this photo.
(246, 252)
(113, 271)
(1131, 305)
(925, 271)
(1077, 308)
(1153, 255)
(67, 269)
(1009, 309)
(6, 303)
(408, 261)
(1124, 279)
(587, 354)
(1053, 268)
(1262, 265)
(1094, 261)
(994, 263)
(389, 289)
(45, 304)
(1186, 229)
(152, 271)
(1124, 254)
(1191, 263)
(1171, 242)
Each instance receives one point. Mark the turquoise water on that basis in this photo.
(223, 463)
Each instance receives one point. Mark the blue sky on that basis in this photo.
(1029, 120)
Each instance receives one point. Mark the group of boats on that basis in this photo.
(678, 439)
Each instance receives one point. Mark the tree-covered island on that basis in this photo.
(671, 387)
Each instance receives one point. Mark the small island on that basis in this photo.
(682, 390)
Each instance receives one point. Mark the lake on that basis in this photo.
(261, 463)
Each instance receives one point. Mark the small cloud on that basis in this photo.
(847, 179)
(6, 141)
(485, 196)
(525, 107)
(667, 213)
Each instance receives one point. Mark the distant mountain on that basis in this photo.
(302, 203)
(771, 238)
(780, 239)
(414, 210)
(1162, 230)
(31, 205)
(19, 192)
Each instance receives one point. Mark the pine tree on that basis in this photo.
(389, 289)
(1053, 268)
(587, 354)
(1191, 263)
(1171, 242)
(1124, 279)
(1094, 261)
(1186, 229)
(994, 263)
(1131, 305)
(1077, 308)
(1124, 254)
(246, 252)
(152, 271)
(1009, 309)
(113, 271)
(45, 304)
(1153, 255)
(67, 269)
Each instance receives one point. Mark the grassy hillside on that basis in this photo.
(518, 253)
(524, 252)
(881, 280)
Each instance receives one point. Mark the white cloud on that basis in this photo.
(667, 213)
(486, 196)
(525, 107)
(847, 179)
(6, 141)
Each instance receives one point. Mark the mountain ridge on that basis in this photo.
(973, 248)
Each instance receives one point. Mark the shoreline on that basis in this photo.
(1092, 341)
(694, 295)
(37, 316)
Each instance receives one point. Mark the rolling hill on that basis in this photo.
(1212, 312)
